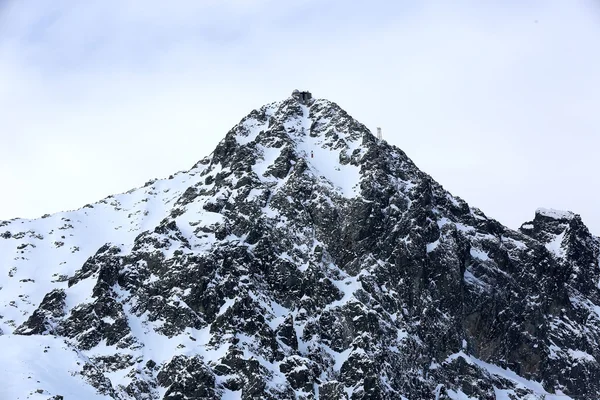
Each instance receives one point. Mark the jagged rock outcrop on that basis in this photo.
(306, 259)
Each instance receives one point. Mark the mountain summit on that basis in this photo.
(302, 259)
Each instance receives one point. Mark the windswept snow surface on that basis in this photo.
(39, 367)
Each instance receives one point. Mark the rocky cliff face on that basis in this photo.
(303, 259)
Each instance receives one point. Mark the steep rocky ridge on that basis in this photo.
(306, 259)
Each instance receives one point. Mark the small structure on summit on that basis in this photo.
(302, 96)
(379, 135)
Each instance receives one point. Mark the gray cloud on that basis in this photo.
(497, 101)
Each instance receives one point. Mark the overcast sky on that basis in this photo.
(498, 100)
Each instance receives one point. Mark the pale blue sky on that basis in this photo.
(496, 100)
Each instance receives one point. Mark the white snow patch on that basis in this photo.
(480, 254)
(453, 200)
(555, 245)
(581, 355)
(347, 286)
(432, 246)
(473, 280)
(554, 349)
(228, 303)
(464, 228)
(460, 395)
(269, 155)
(231, 395)
(338, 358)
(325, 161)
(401, 335)
(503, 394)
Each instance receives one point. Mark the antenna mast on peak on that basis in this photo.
(379, 133)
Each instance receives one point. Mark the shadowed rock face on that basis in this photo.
(275, 274)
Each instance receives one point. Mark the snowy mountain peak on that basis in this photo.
(303, 259)
(554, 214)
(298, 120)
(302, 96)
(549, 223)
(287, 135)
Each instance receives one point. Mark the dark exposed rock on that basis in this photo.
(186, 379)
(287, 334)
(43, 320)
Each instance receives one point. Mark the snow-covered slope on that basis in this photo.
(302, 259)
(40, 367)
(39, 255)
